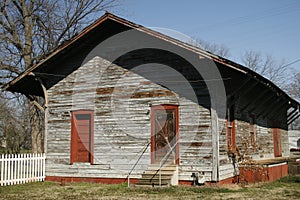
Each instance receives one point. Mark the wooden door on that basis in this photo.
(277, 142)
(164, 133)
(82, 137)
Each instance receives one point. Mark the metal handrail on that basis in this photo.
(161, 164)
(128, 176)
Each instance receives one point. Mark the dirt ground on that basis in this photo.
(286, 188)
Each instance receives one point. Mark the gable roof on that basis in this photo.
(50, 73)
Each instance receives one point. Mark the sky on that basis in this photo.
(266, 26)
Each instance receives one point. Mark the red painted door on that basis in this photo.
(164, 133)
(82, 136)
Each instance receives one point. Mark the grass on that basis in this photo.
(285, 188)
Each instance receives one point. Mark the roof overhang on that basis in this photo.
(49, 71)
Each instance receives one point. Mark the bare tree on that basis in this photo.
(13, 132)
(31, 29)
(220, 50)
(294, 87)
(278, 72)
(267, 66)
(294, 91)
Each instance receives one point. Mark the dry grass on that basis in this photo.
(286, 188)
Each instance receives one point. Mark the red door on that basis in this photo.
(164, 119)
(82, 136)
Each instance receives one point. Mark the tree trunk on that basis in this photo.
(35, 121)
(36, 133)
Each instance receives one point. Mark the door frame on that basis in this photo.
(74, 136)
(153, 110)
(230, 130)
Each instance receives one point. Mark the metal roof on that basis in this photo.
(27, 84)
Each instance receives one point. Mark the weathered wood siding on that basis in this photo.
(121, 102)
(264, 145)
(294, 138)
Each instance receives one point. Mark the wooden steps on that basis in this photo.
(150, 178)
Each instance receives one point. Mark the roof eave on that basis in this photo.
(156, 34)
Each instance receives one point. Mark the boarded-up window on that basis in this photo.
(82, 133)
(277, 142)
(230, 129)
(252, 130)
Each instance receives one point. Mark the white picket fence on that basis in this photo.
(22, 168)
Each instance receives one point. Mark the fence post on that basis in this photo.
(44, 166)
(2, 168)
(14, 164)
(38, 178)
(17, 169)
(27, 167)
(8, 169)
(33, 175)
(37, 167)
(21, 169)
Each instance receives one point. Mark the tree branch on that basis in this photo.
(10, 68)
(18, 7)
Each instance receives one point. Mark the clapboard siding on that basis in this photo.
(264, 146)
(121, 102)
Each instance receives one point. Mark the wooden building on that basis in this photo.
(121, 99)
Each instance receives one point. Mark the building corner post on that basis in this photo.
(215, 145)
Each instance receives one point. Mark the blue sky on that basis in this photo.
(267, 26)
